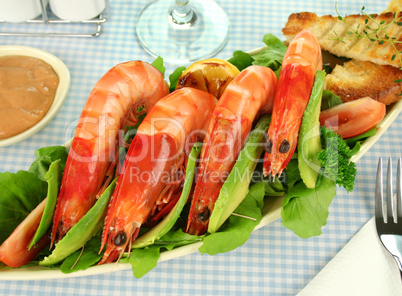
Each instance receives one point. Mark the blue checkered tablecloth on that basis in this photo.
(274, 261)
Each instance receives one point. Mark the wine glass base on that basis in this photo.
(176, 43)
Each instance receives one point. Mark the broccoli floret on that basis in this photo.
(335, 161)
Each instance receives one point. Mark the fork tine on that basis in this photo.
(399, 191)
(379, 198)
(389, 231)
(389, 206)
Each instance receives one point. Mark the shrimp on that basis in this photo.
(248, 96)
(155, 155)
(302, 60)
(111, 105)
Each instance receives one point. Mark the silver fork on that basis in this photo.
(388, 212)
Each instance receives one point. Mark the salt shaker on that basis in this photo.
(16, 11)
(77, 10)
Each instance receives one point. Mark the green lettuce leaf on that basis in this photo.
(292, 172)
(174, 77)
(329, 99)
(272, 56)
(359, 138)
(241, 60)
(44, 158)
(145, 259)
(21, 192)
(305, 211)
(273, 188)
(158, 64)
(177, 237)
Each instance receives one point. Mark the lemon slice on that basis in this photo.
(211, 75)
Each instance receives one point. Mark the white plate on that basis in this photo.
(64, 84)
(271, 211)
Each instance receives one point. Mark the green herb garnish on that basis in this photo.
(373, 32)
(334, 159)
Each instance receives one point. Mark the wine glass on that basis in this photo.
(182, 32)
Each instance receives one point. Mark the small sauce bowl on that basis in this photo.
(64, 85)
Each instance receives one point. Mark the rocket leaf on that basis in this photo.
(44, 158)
(20, 193)
(305, 211)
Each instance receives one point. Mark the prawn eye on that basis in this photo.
(204, 215)
(285, 146)
(120, 239)
(268, 146)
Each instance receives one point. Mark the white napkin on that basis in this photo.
(362, 267)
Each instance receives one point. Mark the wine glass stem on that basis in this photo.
(182, 14)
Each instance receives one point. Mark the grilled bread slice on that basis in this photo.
(330, 30)
(394, 6)
(358, 79)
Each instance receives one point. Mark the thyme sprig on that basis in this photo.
(372, 32)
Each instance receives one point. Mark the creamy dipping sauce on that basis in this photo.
(27, 89)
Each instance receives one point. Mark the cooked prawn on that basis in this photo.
(155, 155)
(248, 96)
(111, 105)
(302, 60)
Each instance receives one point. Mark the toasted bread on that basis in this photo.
(332, 35)
(358, 79)
(394, 6)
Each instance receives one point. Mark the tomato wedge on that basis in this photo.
(14, 250)
(353, 118)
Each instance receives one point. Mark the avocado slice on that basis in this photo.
(167, 223)
(236, 186)
(53, 179)
(309, 143)
(83, 231)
